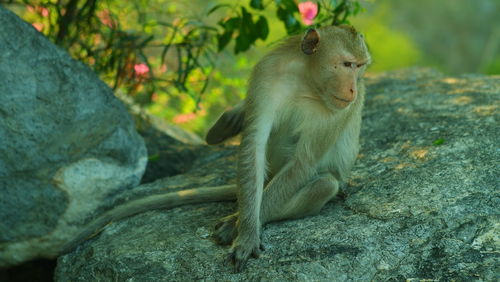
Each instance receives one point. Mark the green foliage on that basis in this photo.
(338, 12)
(438, 142)
(257, 4)
(286, 10)
(246, 29)
(163, 57)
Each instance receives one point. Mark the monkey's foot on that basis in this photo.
(242, 251)
(225, 230)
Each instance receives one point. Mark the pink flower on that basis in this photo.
(183, 118)
(44, 11)
(308, 10)
(106, 18)
(38, 26)
(141, 69)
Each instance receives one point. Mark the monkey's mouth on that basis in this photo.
(343, 100)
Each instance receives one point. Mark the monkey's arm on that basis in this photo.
(159, 201)
(251, 176)
(227, 126)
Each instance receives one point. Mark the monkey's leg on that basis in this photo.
(307, 201)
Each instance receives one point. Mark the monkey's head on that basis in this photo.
(337, 57)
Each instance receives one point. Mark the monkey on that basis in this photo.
(299, 124)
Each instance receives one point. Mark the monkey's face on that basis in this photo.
(337, 65)
(339, 80)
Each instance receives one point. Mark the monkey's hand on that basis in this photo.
(243, 249)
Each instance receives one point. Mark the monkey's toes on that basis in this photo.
(225, 232)
(241, 253)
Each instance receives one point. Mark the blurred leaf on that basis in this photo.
(438, 142)
(216, 7)
(257, 4)
(357, 8)
(290, 6)
(154, 158)
(223, 39)
(262, 27)
(245, 15)
(246, 34)
(230, 24)
(242, 43)
(291, 24)
(340, 7)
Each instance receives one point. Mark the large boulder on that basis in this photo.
(66, 144)
(422, 203)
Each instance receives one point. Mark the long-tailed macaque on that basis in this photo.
(300, 127)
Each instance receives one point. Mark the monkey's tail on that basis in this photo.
(152, 202)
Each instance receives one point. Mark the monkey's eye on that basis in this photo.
(349, 64)
(360, 65)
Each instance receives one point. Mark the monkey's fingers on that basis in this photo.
(241, 254)
(238, 264)
(256, 254)
(230, 258)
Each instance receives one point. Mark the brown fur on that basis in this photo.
(302, 118)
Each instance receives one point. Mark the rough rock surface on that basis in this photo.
(422, 203)
(66, 144)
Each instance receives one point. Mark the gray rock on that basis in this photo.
(422, 204)
(66, 144)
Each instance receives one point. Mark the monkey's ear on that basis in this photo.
(227, 126)
(310, 42)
